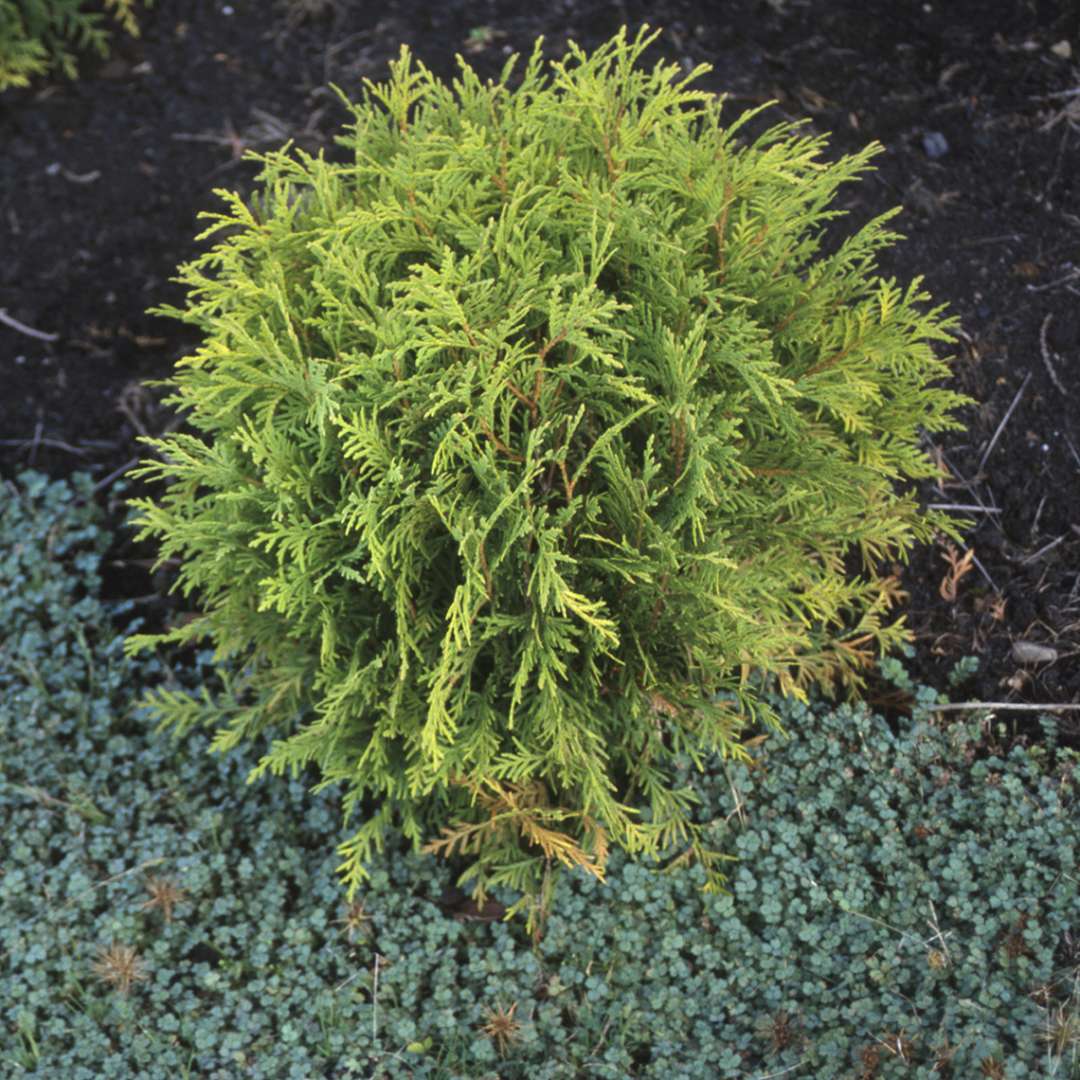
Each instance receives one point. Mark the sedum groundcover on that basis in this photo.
(906, 901)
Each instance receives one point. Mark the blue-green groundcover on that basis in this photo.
(905, 904)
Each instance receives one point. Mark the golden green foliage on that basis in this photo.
(528, 442)
(36, 35)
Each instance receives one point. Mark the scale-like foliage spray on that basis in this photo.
(36, 35)
(526, 445)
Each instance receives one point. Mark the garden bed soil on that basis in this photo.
(978, 108)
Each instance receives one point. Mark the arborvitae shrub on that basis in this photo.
(35, 35)
(527, 444)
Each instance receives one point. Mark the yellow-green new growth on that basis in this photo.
(530, 443)
(36, 35)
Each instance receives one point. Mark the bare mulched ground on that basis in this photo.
(978, 106)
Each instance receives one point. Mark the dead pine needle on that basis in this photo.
(975, 706)
(1046, 354)
(1043, 550)
(1072, 450)
(1004, 420)
(22, 328)
(964, 508)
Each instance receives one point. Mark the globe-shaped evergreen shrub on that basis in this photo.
(527, 444)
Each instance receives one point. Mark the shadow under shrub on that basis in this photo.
(522, 441)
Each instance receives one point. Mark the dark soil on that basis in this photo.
(978, 106)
